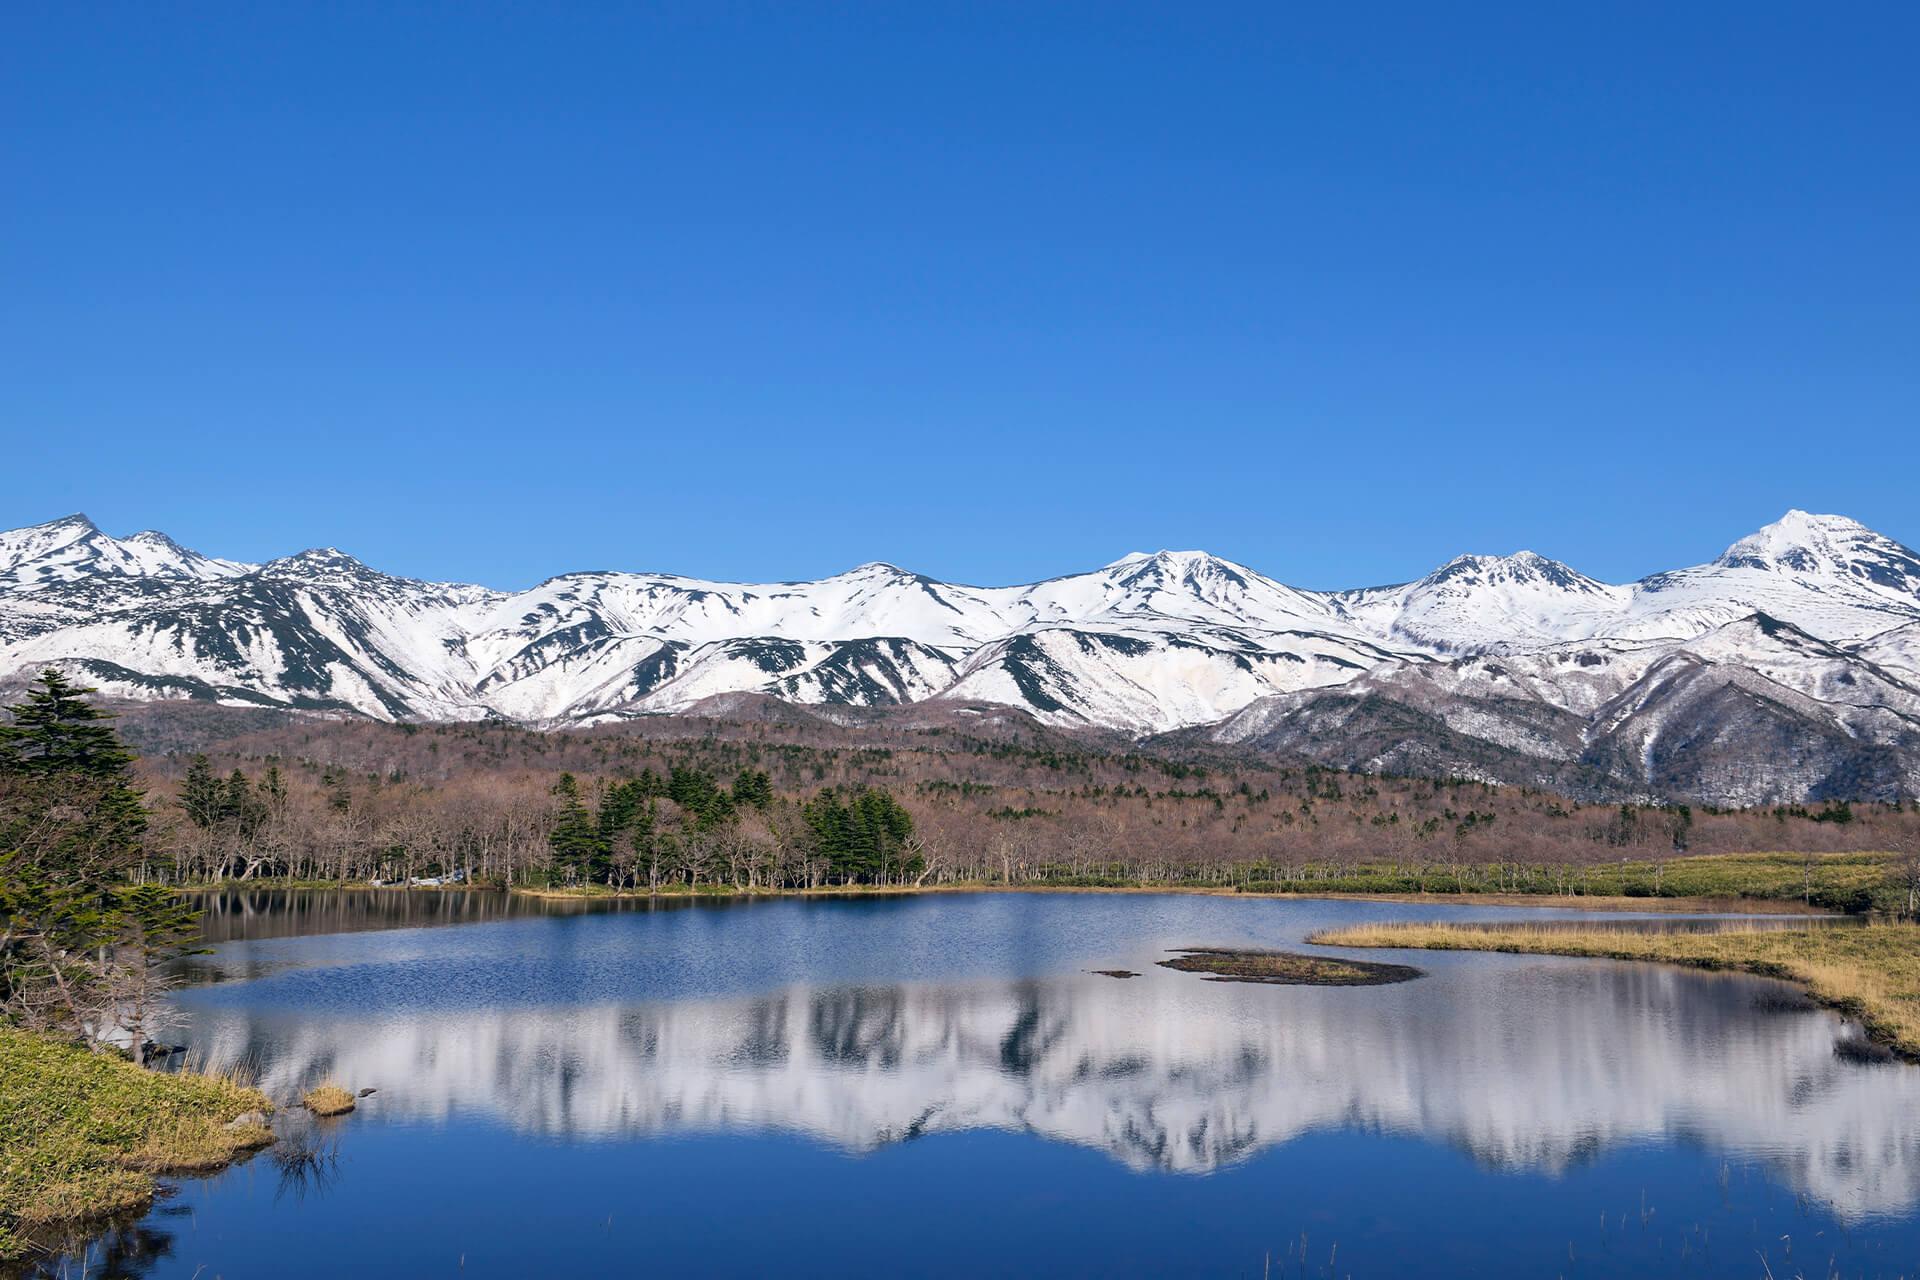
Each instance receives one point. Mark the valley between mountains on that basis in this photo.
(1785, 670)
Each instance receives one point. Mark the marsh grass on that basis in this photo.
(82, 1133)
(328, 1100)
(1870, 973)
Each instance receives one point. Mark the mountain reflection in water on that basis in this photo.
(1528, 1064)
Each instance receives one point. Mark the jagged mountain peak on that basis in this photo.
(351, 578)
(334, 569)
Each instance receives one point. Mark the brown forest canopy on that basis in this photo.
(635, 804)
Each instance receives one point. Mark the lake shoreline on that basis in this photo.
(1566, 902)
(1681, 905)
(1870, 974)
(1826, 885)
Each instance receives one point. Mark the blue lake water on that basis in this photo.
(940, 1086)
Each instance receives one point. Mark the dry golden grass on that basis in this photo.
(328, 1100)
(1871, 973)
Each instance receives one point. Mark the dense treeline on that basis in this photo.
(670, 803)
(653, 830)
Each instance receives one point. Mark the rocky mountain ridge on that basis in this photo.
(1786, 668)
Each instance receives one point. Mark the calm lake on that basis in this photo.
(941, 1085)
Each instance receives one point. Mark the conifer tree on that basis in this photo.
(56, 731)
(575, 839)
(200, 793)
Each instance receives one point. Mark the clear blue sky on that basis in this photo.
(993, 292)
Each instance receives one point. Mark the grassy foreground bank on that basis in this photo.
(81, 1134)
(1870, 973)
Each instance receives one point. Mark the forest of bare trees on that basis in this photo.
(353, 800)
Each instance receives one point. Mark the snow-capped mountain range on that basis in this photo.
(1806, 632)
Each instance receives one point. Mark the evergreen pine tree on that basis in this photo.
(57, 731)
(575, 839)
(752, 788)
(200, 793)
(240, 806)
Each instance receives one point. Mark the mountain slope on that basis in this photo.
(1753, 712)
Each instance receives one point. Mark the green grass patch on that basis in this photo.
(81, 1133)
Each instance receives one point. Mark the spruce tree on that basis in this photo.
(751, 788)
(575, 840)
(56, 731)
(200, 793)
(239, 806)
(68, 759)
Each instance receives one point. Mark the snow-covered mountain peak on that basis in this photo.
(74, 550)
(336, 571)
(1520, 570)
(18, 546)
(78, 522)
(1826, 574)
(1475, 603)
(153, 538)
(317, 560)
(1198, 570)
(877, 569)
(1802, 542)
(153, 554)
(1191, 586)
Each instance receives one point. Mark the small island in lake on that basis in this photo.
(1287, 968)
